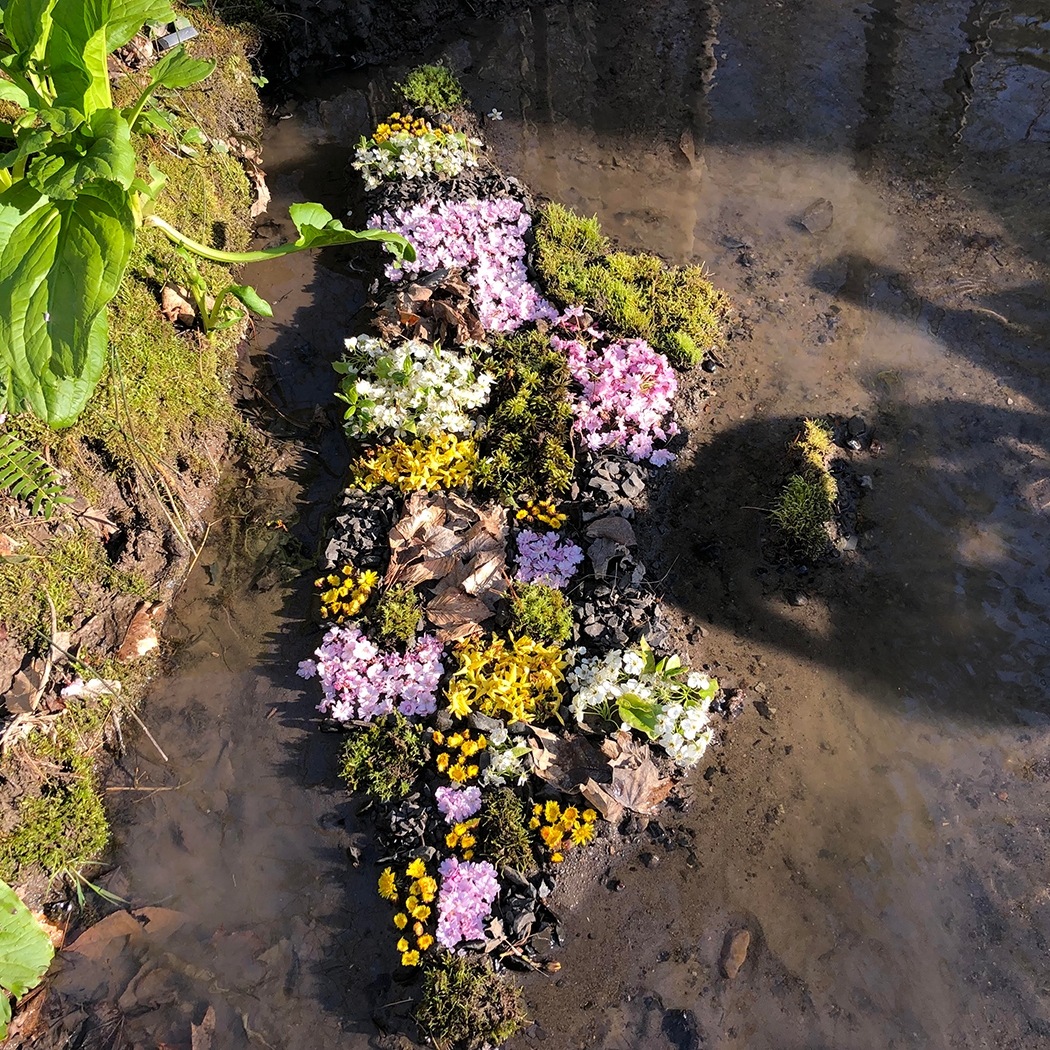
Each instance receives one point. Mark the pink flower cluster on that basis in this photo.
(362, 682)
(544, 558)
(626, 395)
(457, 804)
(468, 890)
(484, 239)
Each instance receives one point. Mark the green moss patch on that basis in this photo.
(675, 309)
(526, 439)
(397, 616)
(434, 86)
(541, 612)
(504, 832)
(466, 1004)
(384, 758)
(806, 505)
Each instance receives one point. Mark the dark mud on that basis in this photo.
(876, 819)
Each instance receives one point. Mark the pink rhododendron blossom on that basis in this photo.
(468, 890)
(483, 238)
(625, 393)
(361, 683)
(457, 804)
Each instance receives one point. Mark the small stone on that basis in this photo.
(592, 630)
(866, 482)
(799, 599)
(819, 216)
(734, 953)
(650, 860)
(708, 365)
(633, 487)
(617, 885)
(856, 427)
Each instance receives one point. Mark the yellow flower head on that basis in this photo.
(438, 736)
(457, 773)
(455, 740)
(557, 857)
(582, 834)
(551, 812)
(410, 958)
(570, 815)
(590, 816)
(410, 903)
(402, 945)
(427, 888)
(387, 885)
(425, 942)
(421, 912)
(400, 920)
(442, 762)
(416, 869)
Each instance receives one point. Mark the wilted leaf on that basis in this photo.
(641, 789)
(455, 607)
(602, 801)
(566, 762)
(613, 527)
(176, 306)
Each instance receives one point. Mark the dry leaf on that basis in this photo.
(201, 1035)
(454, 607)
(601, 552)
(614, 528)
(141, 635)
(602, 801)
(566, 762)
(641, 789)
(176, 306)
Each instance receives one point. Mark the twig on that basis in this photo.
(142, 725)
(46, 676)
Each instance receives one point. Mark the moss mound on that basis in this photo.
(467, 1004)
(384, 758)
(806, 505)
(526, 442)
(434, 86)
(397, 616)
(504, 831)
(541, 612)
(675, 309)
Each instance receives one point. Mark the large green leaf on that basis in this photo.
(127, 17)
(25, 951)
(178, 70)
(76, 54)
(60, 264)
(317, 229)
(27, 24)
(639, 713)
(108, 154)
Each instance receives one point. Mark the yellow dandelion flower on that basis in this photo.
(416, 869)
(388, 885)
(570, 815)
(421, 912)
(590, 816)
(457, 773)
(442, 762)
(425, 942)
(410, 958)
(411, 902)
(427, 888)
(551, 812)
(451, 839)
(472, 771)
(400, 920)
(582, 834)
(455, 740)
(402, 945)
(467, 841)
(438, 737)
(534, 823)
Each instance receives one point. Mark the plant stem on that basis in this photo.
(214, 254)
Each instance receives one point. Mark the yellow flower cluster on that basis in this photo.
(462, 836)
(519, 678)
(416, 907)
(397, 123)
(442, 462)
(346, 594)
(561, 829)
(455, 763)
(541, 510)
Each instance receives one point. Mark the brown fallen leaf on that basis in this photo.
(602, 801)
(202, 1035)
(455, 607)
(56, 934)
(566, 762)
(614, 528)
(641, 788)
(175, 305)
(141, 636)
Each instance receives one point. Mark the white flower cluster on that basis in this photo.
(407, 156)
(414, 388)
(681, 709)
(506, 761)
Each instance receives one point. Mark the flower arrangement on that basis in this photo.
(665, 701)
(468, 890)
(411, 389)
(439, 462)
(416, 907)
(519, 678)
(346, 593)
(457, 804)
(626, 393)
(543, 510)
(561, 829)
(484, 238)
(456, 762)
(361, 683)
(544, 558)
(405, 147)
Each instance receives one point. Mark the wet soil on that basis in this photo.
(876, 819)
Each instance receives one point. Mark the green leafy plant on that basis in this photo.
(675, 309)
(433, 86)
(527, 435)
(397, 616)
(384, 758)
(25, 952)
(27, 476)
(806, 504)
(70, 199)
(541, 612)
(467, 1004)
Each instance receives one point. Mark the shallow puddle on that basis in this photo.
(879, 825)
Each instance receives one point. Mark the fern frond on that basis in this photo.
(27, 476)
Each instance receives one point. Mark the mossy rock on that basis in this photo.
(675, 309)
(467, 1005)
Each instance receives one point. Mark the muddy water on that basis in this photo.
(880, 828)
